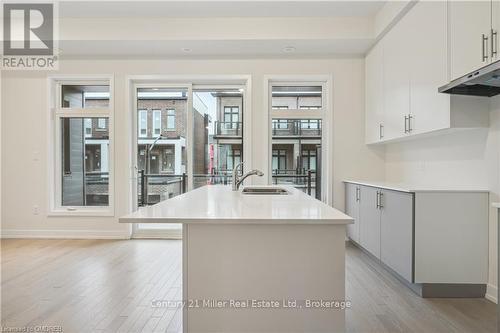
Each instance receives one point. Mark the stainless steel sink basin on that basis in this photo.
(265, 190)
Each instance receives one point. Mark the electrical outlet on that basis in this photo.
(35, 210)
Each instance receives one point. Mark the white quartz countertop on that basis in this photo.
(218, 204)
(496, 204)
(401, 187)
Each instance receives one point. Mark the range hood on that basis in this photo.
(483, 82)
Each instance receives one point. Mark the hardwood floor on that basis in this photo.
(109, 286)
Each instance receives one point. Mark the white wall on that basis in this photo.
(24, 131)
(469, 158)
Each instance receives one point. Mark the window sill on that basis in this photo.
(82, 211)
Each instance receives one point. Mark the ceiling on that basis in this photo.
(231, 8)
(174, 28)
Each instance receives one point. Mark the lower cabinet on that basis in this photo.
(352, 209)
(369, 216)
(396, 232)
(425, 236)
(383, 225)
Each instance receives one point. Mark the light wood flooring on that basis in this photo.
(108, 286)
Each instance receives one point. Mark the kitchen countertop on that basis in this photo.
(218, 204)
(496, 204)
(402, 187)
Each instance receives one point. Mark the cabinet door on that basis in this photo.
(427, 59)
(469, 21)
(396, 232)
(396, 81)
(352, 209)
(374, 94)
(495, 29)
(370, 215)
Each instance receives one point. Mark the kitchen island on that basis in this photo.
(257, 262)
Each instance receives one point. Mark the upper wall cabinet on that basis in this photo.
(473, 33)
(403, 73)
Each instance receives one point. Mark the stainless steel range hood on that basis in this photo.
(483, 82)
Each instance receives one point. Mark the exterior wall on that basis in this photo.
(200, 148)
(180, 107)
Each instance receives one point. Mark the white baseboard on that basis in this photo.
(492, 293)
(65, 234)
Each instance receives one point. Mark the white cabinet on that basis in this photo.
(396, 232)
(374, 102)
(495, 30)
(427, 56)
(352, 209)
(470, 36)
(396, 82)
(404, 71)
(425, 236)
(369, 216)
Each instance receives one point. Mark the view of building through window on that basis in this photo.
(84, 146)
(85, 162)
(296, 143)
(217, 145)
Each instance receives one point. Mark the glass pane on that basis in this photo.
(160, 160)
(170, 119)
(85, 96)
(85, 163)
(218, 143)
(296, 97)
(295, 143)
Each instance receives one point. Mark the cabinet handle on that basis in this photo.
(381, 131)
(494, 43)
(380, 196)
(357, 194)
(410, 117)
(377, 199)
(484, 40)
(406, 124)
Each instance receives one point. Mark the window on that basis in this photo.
(168, 160)
(309, 159)
(218, 114)
(295, 140)
(309, 123)
(156, 122)
(233, 158)
(280, 123)
(231, 116)
(143, 123)
(170, 119)
(84, 96)
(297, 97)
(279, 160)
(101, 123)
(81, 154)
(88, 127)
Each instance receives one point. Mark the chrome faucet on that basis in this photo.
(237, 180)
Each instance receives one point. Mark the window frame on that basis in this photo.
(325, 113)
(55, 115)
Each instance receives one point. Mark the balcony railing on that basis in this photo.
(296, 128)
(228, 129)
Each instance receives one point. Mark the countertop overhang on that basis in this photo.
(218, 204)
